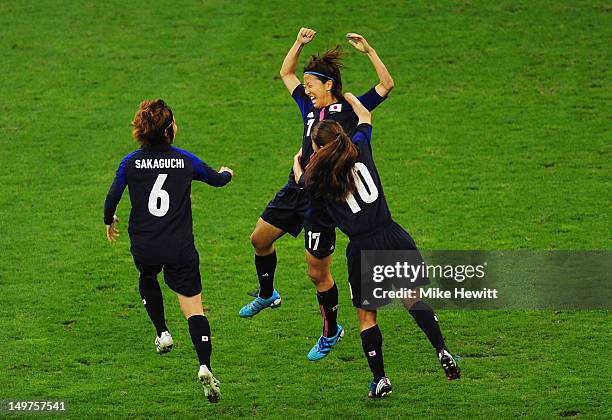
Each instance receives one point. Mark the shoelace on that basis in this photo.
(256, 305)
(323, 343)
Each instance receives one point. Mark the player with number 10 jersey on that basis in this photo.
(343, 177)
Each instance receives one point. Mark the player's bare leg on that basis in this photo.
(319, 273)
(264, 236)
(367, 319)
(191, 305)
(199, 329)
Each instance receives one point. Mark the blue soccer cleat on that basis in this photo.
(325, 345)
(258, 304)
(380, 389)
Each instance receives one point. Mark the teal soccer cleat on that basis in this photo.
(325, 345)
(258, 304)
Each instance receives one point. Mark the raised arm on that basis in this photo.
(287, 71)
(364, 116)
(385, 84)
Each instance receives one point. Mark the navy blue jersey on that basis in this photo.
(340, 111)
(365, 211)
(159, 181)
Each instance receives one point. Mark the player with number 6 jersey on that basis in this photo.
(159, 178)
(342, 175)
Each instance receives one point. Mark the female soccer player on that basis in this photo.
(320, 97)
(159, 178)
(342, 174)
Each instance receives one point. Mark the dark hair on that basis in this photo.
(328, 64)
(152, 123)
(330, 173)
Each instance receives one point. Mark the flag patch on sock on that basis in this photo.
(204, 338)
(372, 353)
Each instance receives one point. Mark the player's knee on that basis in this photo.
(256, 240)
(191, 305)
(188, 313)
(315, 274)
(318, 274)
(367, 319)
(409, 302)
(259, 242)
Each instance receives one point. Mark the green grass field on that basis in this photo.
(496, 137)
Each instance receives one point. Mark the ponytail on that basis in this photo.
(330, 173)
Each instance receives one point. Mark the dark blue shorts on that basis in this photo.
(182, 277)
(319, 231)
(286, 210)
(389, 237)
(292, 210)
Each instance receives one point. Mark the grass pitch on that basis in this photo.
(497, 136)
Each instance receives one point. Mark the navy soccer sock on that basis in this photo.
(371, 341)
(199, 329)
(153, 301)
(428, 322)
(328, 302)
(266, 266)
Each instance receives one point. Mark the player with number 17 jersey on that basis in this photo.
(339, 111)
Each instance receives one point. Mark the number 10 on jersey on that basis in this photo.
(368, 195)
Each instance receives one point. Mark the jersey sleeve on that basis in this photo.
(302, 100)
(371, 99)
(203, 172)
(114, 193)
(363, 134)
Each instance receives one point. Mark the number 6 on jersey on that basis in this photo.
(159, 196)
